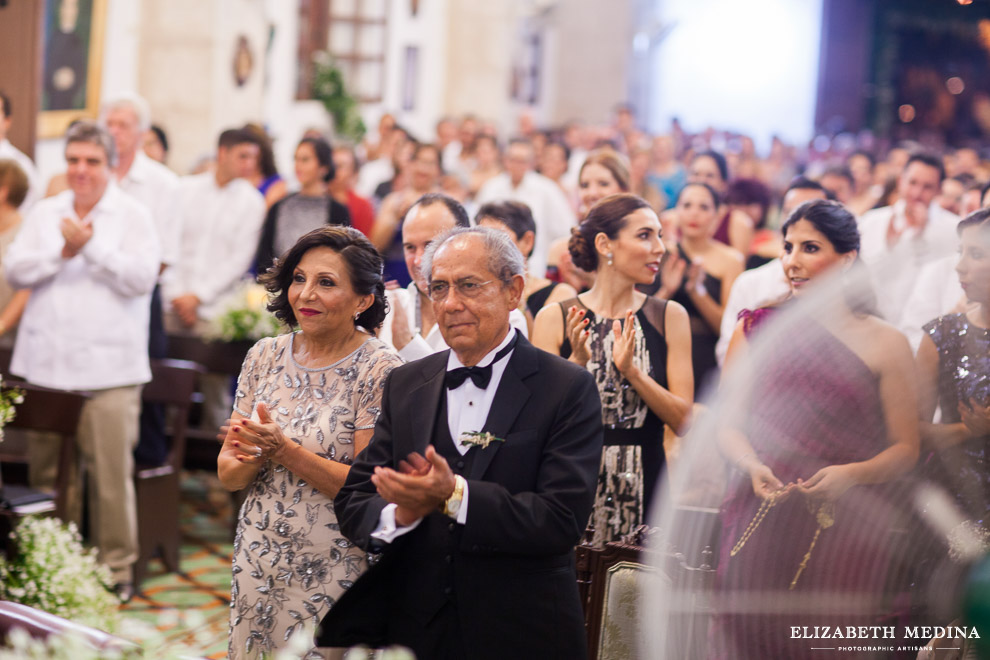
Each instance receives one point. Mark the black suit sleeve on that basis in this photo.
(551, 519)
(358, 505)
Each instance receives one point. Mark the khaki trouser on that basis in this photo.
(107, 435)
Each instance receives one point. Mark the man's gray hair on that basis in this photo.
(504, 258)
(132, 102)
(88, 131)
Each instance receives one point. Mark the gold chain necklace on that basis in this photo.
(826, 518)
(761, 513)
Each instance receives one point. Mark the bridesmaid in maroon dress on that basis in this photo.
(831, 420)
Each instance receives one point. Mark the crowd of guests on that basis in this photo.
(649, 262)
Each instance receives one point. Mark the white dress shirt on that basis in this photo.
(7, 150)
(552, 212)
(894, 268)
(936, 292)
(467, 410)
(85, 326)
(155, 186)
(420, 346)
(220, 228)
(752, 289)
(372, 174)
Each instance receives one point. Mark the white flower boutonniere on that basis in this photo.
(479, 439)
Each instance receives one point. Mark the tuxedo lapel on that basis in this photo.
(424, 401)
(509, 400)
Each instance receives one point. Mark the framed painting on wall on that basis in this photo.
(72, 47)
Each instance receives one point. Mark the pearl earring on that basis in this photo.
(609, 258)
(356, 315)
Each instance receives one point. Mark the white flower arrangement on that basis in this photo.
(53, 572)
(245, 316)
(155, 644)
(9, 398)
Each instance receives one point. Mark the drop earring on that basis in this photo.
(609, 258)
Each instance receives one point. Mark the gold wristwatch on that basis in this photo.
(453, 503)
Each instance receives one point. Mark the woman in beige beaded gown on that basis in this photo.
(306, 404)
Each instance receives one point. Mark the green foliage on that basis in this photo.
(330, 90)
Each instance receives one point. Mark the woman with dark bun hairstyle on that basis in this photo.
(637, 347)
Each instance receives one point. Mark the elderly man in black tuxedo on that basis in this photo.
(478, 482)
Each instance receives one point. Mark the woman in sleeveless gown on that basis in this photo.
(829, 423)
(699, 276)
(638, 349)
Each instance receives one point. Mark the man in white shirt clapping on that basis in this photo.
(90, 256)
(897, 241)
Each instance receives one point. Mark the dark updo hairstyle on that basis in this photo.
(607, 216)
(839, 227)
(978, 218)
(716, 199)
(720, 162)
(829, 218)
(364, 266)
(323, 151)
(514, 215)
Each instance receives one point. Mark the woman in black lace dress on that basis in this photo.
(637, 347)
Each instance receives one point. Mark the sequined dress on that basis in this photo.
(963, 374)
(291, 563)
(633, 456)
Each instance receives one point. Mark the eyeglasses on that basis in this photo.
(465, 289)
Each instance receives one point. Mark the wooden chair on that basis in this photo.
(223, 358)
(613, 578)
(50, 411)
(173, 383)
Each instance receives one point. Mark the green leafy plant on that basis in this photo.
(330, 90)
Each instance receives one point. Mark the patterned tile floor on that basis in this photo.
(200, 592)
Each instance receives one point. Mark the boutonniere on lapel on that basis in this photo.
(478, 439)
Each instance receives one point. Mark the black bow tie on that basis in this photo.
(480, 376)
